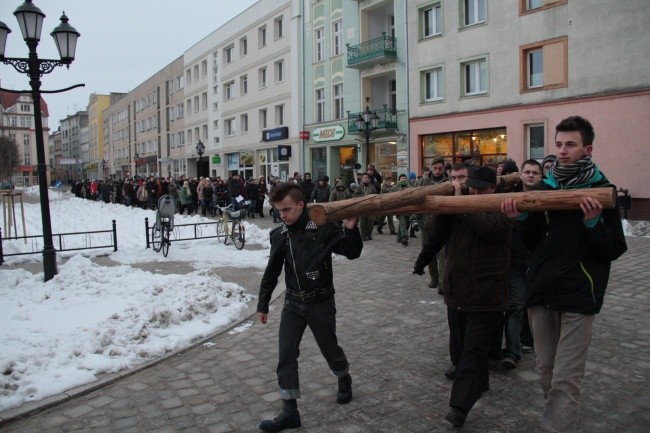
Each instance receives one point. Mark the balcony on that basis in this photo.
(387, 119)
(379, 50)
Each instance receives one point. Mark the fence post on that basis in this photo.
(146, 229)
(114, 236)
(2, 259)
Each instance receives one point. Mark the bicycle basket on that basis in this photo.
(233, 213)
(166, 206)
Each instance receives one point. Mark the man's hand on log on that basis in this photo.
(591, 207)
(509, 207)
(350, 223)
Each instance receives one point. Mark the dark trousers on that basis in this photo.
(321, 319)
(476, 332)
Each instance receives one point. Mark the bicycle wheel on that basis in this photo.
(164, 243)
(238, 235)
(220, 231)
(156, 238)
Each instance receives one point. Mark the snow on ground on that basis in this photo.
(93, 319)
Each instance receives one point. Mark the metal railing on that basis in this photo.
(374, 49)
(196, 231)
(88, 241)
(387, 119)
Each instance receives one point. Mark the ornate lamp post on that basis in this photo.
(30, 18)
(366, 123)
(200, 149)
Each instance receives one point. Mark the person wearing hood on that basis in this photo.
(568, 272)
(366, 223)
(340, 192)
(321, 193)
(402, 220)
(305, 251)
(386, 187)
(307, 185)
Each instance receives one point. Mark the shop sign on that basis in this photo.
(275, 134)
(24, 168)
(304, 135)
(284, 153)
(216, 159)
(330, 133)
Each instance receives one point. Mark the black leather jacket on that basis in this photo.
(305, 252)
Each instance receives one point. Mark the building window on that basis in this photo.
(431, 21)
(278, 30)
(279, 71)
(392, 94)
(262, 77)
(320, 105)
(204, 68)
(531, 6)
(261, 36)
(475, 77)
(196, 72)
(228, 54)
(229, 90)
(215, 106)
(204, 128)
(279, 115)
(244, 123)
(263, 118)
(534, 60)
(196, 104)
(188, 76)
(433, 85)
(243, 84)
(319, 48)
(215, 89)
(243, 47)
(339, 109)
(215, 124)
(473, 12)
(230, 127)
(337, 38)
(189, 106)
(535, 139)
(204, 101)
(544, 65)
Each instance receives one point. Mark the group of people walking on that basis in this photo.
(490, 267)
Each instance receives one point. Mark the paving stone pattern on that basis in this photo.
(393, 329)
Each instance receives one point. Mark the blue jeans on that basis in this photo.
(515, 313)
(321, 319)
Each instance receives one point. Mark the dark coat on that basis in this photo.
(306, 255)
(571, 262)
(475, 278)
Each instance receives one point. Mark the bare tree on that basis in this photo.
(9, 159)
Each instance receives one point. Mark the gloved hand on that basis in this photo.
(418, 271)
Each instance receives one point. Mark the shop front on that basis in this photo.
(484, 146)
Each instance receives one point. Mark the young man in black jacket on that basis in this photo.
(568, 272)
(305, 251)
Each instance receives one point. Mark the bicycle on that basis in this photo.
(234, 231)
(160, 232)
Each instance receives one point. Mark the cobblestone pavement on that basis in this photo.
(394, 331)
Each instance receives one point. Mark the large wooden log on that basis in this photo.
(526, 201)
(378, 204)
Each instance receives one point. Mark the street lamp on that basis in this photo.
(30, 18)
(366, 123)
(200, 149)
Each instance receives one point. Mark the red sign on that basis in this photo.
(304, 135)
(24, 168)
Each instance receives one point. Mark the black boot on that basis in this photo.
(288, 418)
(456, 417)
(344, 395)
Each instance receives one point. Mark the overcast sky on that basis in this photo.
(122, 43)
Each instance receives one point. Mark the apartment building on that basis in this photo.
(97, 164)
(355, 58)
(71, 155)
(247, 71)
(17, 123)
(136, 128)
(490, 80)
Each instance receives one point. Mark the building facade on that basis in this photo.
(17, 123)
(355, 58)
(490, 80)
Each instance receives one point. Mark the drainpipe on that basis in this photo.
(408, 93)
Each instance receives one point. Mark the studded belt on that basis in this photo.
(312, 295)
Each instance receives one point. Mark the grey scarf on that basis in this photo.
(577, 173)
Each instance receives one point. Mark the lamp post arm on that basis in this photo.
(44, 66)
(43, 91)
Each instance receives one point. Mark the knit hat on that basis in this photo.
(412, 176)
(482, 177)
(548, 158)
(509, 166)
